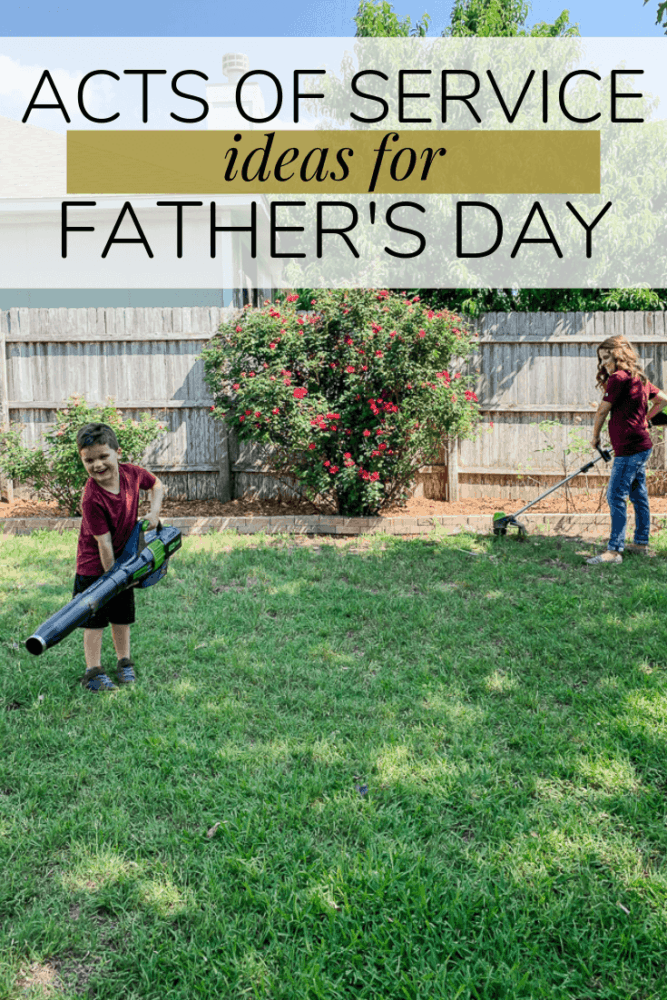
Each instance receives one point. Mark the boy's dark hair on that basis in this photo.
(91, 434)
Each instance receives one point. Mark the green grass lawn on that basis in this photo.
(425, 772)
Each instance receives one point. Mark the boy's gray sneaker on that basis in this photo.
(125, 671)
(95, 679)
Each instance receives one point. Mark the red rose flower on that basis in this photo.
(367, 433)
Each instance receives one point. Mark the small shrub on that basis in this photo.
(354, 397)
(56, 471)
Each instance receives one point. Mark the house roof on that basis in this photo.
(33, 161)
(33, 165)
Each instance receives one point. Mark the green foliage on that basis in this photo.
(475, 302)
(662, 13)
(377, 19)
(469, 18)
(634, 299)
(56, 471)
(576, 445)
(570, 448)
(354, 398)
(503, 19)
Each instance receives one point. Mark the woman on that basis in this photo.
(627, 392)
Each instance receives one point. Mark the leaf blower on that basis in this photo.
(143, 563)
(501, 522)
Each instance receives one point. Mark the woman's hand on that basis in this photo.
(595, 442)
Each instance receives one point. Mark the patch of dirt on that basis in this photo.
(41, 979)
(68, 973)
(417, 507)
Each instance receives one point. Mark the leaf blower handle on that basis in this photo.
(605, 453)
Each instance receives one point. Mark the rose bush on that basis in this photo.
(56, 471)
(354, 397)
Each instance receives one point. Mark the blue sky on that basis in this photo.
(289, 18)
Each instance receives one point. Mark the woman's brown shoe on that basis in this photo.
(642, 550)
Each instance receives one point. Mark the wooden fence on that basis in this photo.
(532, 367)
(146, 359)
(541, 366)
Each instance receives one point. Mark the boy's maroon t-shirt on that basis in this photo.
(103, 511)
(629, 405)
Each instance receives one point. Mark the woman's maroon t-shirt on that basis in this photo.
(629, 405)
(103, 511)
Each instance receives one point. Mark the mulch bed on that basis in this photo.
(249, 507)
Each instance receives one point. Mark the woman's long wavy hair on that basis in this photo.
(625, 357)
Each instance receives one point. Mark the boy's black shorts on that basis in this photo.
(118, 611)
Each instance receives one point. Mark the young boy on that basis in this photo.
(110, 509)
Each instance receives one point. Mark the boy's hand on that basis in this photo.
(153, 520)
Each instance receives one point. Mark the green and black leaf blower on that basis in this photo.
(143, 563)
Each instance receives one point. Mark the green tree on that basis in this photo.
(662, 13)
(377, 19)
(503, 19)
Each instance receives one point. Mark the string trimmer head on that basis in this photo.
(501, 522)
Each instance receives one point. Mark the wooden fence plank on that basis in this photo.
(4, 405)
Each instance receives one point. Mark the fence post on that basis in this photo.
(452, 469)
(4, 400)
(224, 463)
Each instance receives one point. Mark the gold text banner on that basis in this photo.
(349, 162)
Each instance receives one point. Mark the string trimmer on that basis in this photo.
(501, 522)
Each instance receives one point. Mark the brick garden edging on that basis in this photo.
(593, 525)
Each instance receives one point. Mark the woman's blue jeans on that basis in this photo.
(628, 479)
